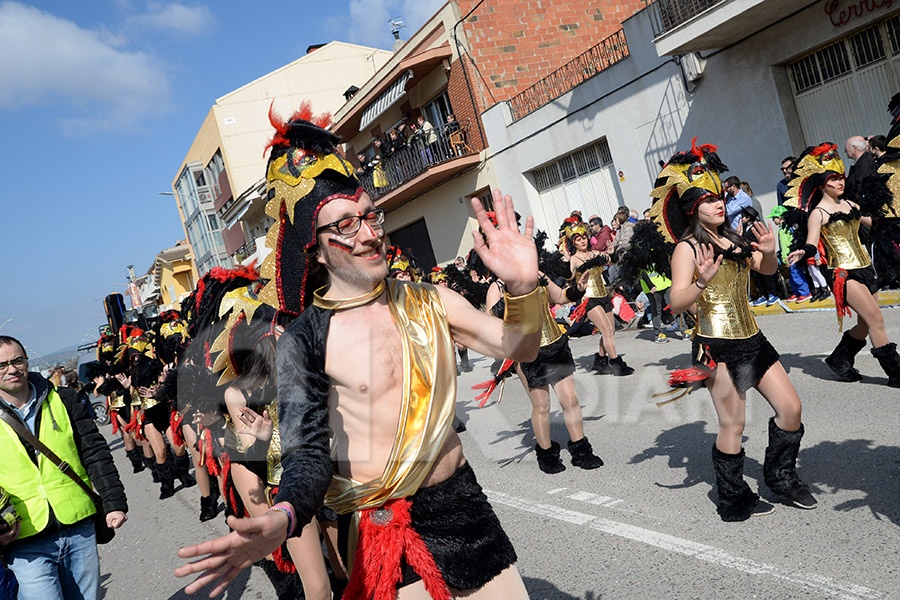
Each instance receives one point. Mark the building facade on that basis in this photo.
(465, 59)
(761, 79)
(220, 183)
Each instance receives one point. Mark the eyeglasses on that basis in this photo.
(350, 225)
(785, 169)
(16, 362)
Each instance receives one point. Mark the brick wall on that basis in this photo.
(463, 108)
(515, 43)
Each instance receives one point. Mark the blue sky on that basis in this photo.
(99, 103)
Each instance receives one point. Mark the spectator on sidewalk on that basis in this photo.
(787, 169)
(53, 549)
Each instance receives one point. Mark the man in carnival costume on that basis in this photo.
(367, 388)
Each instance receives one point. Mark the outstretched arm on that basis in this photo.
(512, 257)
(764, 259)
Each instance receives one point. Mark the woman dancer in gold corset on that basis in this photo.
(598, 307)
(817, 189)
(710, 270)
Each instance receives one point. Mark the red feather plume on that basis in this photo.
(282, 127)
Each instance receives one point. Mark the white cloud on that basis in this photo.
(174, 18)
(59, 64)
(369, 19)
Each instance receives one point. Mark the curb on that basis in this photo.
(886, 298)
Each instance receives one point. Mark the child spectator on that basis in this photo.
(799, 287)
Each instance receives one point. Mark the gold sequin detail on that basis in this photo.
(723, 310)
(596, 287)
(842, 247)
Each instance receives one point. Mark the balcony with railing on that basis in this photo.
(682, 26)
(424, 161)
(596, 60)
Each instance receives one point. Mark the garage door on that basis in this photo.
(584, 180)
(843, 89)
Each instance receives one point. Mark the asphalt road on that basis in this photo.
(644, 525)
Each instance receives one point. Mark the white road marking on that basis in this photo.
(557, 490)
(839, 589)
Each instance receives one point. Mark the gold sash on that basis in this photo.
(429, 398)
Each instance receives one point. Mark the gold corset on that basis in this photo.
(149, 402)
(841, 239)
(231, 436)
(136, 399)
(723, 310)
(549, 327)
(595, 288)
(273, 456)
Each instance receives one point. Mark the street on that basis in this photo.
(644, 525)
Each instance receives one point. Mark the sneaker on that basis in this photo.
(792, 298)
(687, 334)
(758, 302)
(661, 338)
(804, 298)
(800, 497)
(763, 508)
(773, 299)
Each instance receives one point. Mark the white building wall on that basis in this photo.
(743, 103)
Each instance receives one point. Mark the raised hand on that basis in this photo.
(765, 239)
(796, 256)
(259, 426)
(706, 264)
(510, 255)
(253, 538)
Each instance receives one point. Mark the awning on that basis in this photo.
(385, 100)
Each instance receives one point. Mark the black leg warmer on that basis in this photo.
(841, 359)
(287, 585)
(183, 470)
(548, 460)
(150, 463)
(890, 361)
(137, 459)
(583, 454)
(166, 473)
(779, 468)
(736, 499)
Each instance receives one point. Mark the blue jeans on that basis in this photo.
(798, 283)
(64, 566)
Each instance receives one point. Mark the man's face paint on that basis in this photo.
(340, 243)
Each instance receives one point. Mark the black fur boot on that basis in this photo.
(458, 425)
(209, 508)
(166, 473)
(601, 364)
(618, 367)
(583, 454)
(548, 460)
(150, 463)
(736, 499)
(779, 468)
(464, 365)
(890, 361)
(841, 359)
(183, 470)
(137, 461)
(287, 585)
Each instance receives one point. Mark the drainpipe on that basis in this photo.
(466, 73)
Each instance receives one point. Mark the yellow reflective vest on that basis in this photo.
(36, 488)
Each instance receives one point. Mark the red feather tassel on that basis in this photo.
(283, 561)
(207, 457)
(840, 300)
(385, 537)
(175, 421)
(115, 422)
(580, 311)
(490, 385)
(699, 150)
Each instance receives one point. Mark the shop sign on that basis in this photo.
(854, 9)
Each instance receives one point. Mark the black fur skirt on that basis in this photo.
(553, 364)
(158, 416)
(866, 276)
(605, 302)
(459, 528)
(747, 360)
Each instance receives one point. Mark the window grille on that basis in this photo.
(570, 166)
(833, 60)
(805, 73)
(893, 29)
(867, 46)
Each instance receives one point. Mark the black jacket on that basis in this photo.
(92, 447)
(863, 167)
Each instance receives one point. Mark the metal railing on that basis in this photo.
(419, 152)
(599, 58)
(244, 251)
(666, 15)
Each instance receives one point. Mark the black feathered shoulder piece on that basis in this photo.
(649, 251)
(598, 261)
